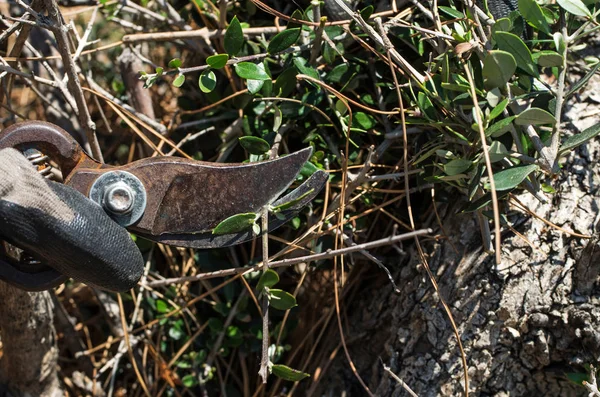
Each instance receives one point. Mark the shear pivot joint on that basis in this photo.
(122, 195)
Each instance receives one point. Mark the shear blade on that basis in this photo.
(300, 197)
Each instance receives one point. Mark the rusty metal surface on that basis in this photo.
(186, 199)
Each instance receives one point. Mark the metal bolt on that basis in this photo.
(118, 198)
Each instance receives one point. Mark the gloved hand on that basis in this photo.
(62, 228)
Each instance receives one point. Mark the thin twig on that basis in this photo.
(292, 261)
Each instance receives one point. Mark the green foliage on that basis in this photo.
(234, 37)
(217, 61)
(283, 40)
(254, 145)
(287, 373)
(251, 71)
(236, 223)
(207, 81)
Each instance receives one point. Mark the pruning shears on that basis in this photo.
(170, 200)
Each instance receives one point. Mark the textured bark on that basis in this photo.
(29, 353)
(524, 323)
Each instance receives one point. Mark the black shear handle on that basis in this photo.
(49, 139)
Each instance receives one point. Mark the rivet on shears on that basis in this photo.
(121, 194)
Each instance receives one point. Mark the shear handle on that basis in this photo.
(49, 139)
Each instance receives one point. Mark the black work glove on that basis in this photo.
(62, 228)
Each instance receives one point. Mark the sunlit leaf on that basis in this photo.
(512, 177)
(286, 373)
(234, 37)
(236, 223)
(535, 116)
(513, 44)
(281, 300)
(251, 71)
(575, 7)
(498, 68)
(207, 81)
(532, 12)
(217, 61)
(267, 279)
(283, 40)
(179, 80)
(175, 63)
(254, 145)
(578, 139)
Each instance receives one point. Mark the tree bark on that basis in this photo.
(29, 354)
(524, 324)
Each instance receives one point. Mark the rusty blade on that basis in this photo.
(299, 198)
(192, 197)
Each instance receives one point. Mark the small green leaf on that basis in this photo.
(498, 109)
(175, 63)
(234, 37)
(268, 279)
(304, 67)
(281, 300)
(286, 373)
(179, 80)
(366, 12)
(512, 177)
(189, 380)
(513, 44)
(161, 306)
(457, 166)
(365, 120)
(499, 128)
(285, 206)
(175, 333)
(578, 139)
(283, 40)
(575, 7)
(583, 81)
(236, 223)
(254, 145)
(577, 377)
(254, 85)
(451, 12)
(159, 71)
(217, 61)
(535, 116)
(497, 151)
(251, 71)
(532, 12)
(547, 59)
(207, 81)
(498, 68)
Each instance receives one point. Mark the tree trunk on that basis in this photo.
(29, 353)
(524, 324)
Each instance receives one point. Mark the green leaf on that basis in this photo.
(286, 373)
(285, 206)
(179, 80)
(254, 85)
(499, 128)
(254, 145)
(497, 151)
(513, 44)
(268, 279)
(189, 380)
(577, 377)
(535, 116)
(532, 12)
(234, 37)
(217, 61)
(251, 71)
(281, 300)
(498, 109)
(305, 68)
(161, 306)
(512, 177)
(583, 81)
(575, 7)
(283, 40)
(175, 333)
(175, 63)
(207, 81)
(498, 68)
(365, 120)
(547, 59)
(457, 166)
(578, 139)
(235, 223)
